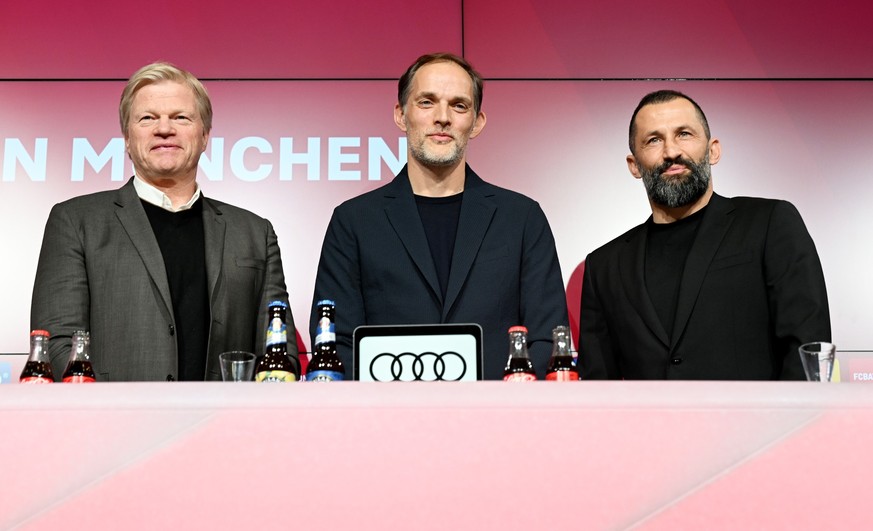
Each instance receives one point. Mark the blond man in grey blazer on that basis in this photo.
(163, 277)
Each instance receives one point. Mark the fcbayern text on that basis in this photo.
(250, 159)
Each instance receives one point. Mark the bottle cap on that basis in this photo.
(39, 333)
(325, 301)
(518, 329)
(278, 303)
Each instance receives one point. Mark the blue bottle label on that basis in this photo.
(324, 376)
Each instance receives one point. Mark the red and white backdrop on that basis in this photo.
(303, 95)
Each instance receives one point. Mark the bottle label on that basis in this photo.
(35, 380)
(326, 331)
(562, 376)
(277, 332)
(519, 377)
(324, 376)
(78, 378)
(275, 376)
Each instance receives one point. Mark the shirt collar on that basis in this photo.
(152, 195)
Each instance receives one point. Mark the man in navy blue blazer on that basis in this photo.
(709, 287)
(438, 244)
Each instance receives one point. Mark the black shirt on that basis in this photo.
(667, 248)
(180, 237)
(439, 216)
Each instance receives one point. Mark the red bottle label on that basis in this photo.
(562, 376)
(78, 379)
(36, 380)
(519, 377)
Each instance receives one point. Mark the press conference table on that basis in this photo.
(484, 455)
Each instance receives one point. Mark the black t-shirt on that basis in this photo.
(667, 248)
(439, 216)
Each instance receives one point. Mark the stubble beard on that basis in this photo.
(427, 157)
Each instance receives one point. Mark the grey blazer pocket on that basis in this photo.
(732, 260)
(255, 263)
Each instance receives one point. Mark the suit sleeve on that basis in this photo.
(543, 301)
(275, 289)
(796, 290)
(596, 355)
(61, 301)
(339, 279)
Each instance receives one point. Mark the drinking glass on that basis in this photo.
(237, 366)
(818, 360)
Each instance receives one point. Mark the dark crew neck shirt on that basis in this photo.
(180, 238)
(667, 247)
(439, 216)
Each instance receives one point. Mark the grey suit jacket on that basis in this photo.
(751, 292)
(377, 266)
(100, 269)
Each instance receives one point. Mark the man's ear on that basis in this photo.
(632, 166)
(399, 120)
(478, 125)
(714, 151)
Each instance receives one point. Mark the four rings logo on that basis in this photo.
(426, 367)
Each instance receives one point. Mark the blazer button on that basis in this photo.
(170, 378)
(676, 361)
(172, 330)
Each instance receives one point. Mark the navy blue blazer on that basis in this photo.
(376, 264)
(752, 291)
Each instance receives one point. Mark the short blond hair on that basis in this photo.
(157, 73)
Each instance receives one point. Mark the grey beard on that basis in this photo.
(677, 193)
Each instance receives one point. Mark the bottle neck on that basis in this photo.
(325, 332)
(38, 349)
(277, 333)
(518, 345)
(561, 344)
(79, 349)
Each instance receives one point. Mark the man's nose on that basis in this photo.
(443, 116)
(671, 150)
(164, 126)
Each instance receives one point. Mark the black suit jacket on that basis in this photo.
(752, 291)
(376, 264)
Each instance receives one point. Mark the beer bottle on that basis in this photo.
(518, 367)
(38, 368)
(561, 366)
(79, 369)
(325, 365)
(275, 365)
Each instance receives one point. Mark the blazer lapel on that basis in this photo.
(136, 224)
(477, 212)
(404, 218)
(713, 227)
(633, 265)
(213, 239)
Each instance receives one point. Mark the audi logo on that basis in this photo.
(424, 367)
